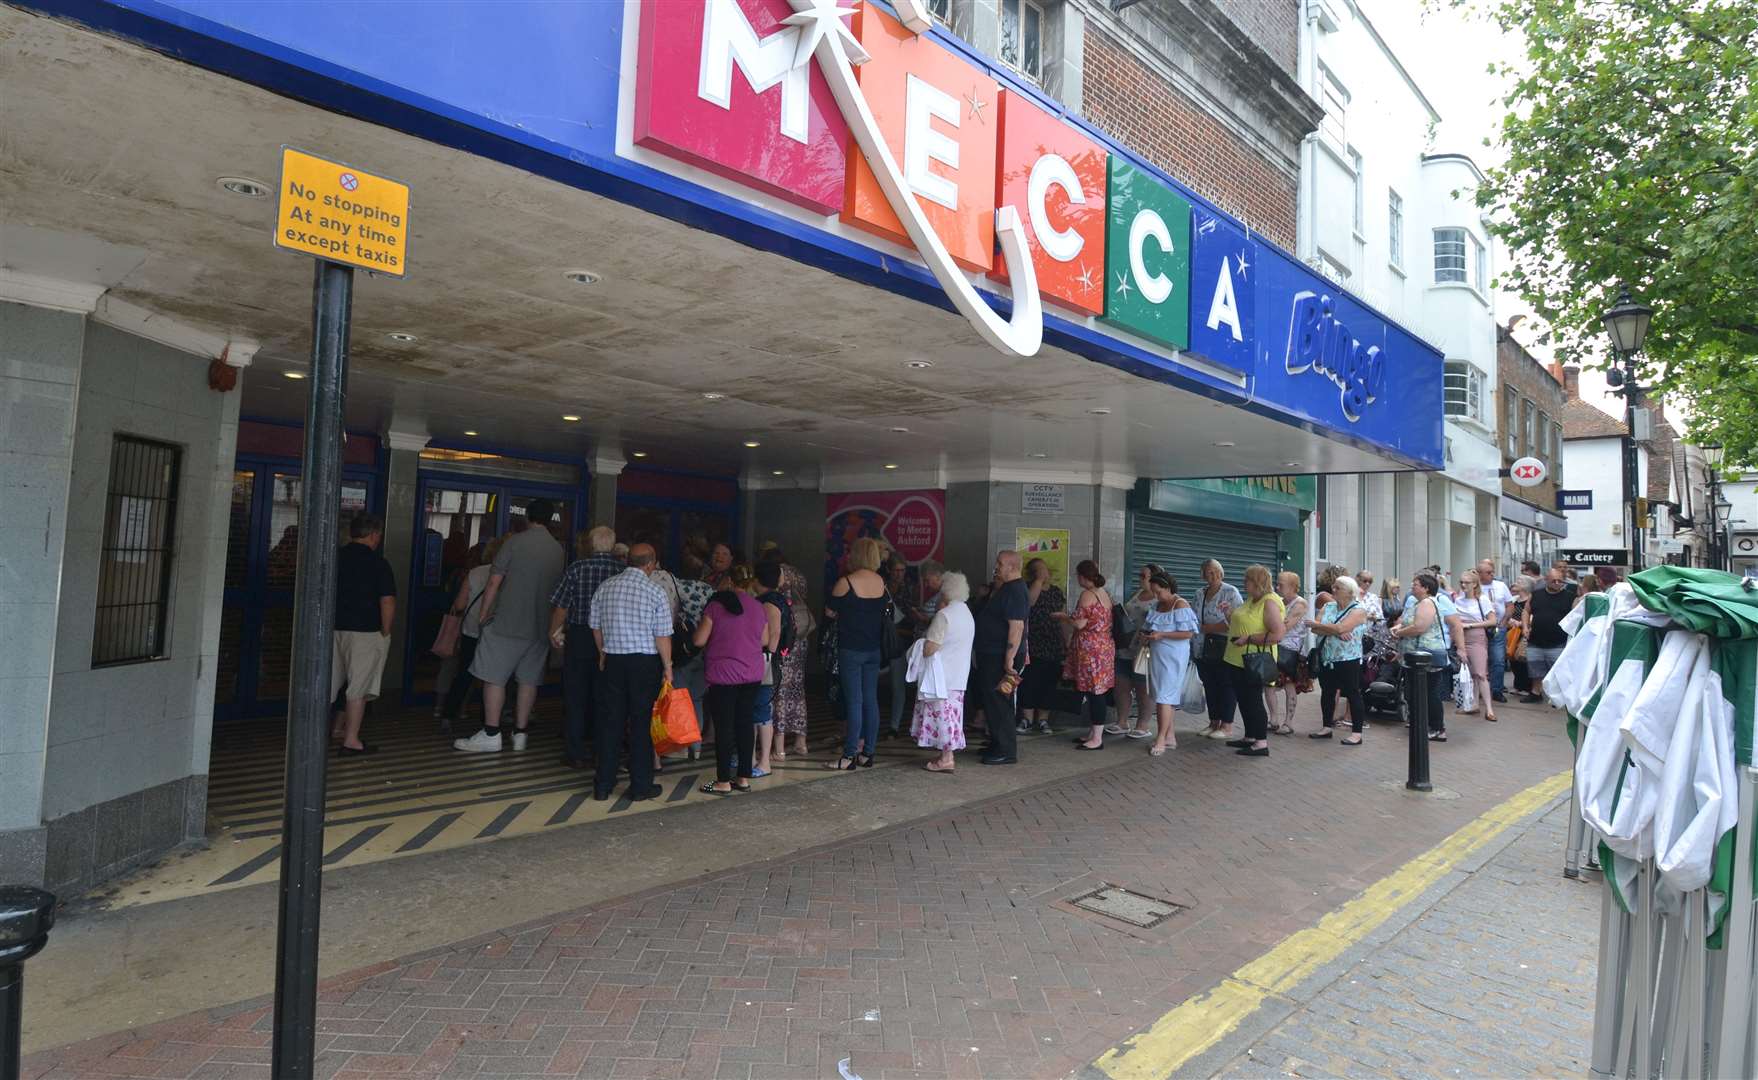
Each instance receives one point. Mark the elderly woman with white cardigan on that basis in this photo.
(938, 722)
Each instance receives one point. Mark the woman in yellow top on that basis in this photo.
(1254, 628)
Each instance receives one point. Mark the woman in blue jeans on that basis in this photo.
(857, 603)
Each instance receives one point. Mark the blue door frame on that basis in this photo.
(255, 598)
(428, 603)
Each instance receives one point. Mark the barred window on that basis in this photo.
(134, 576)
(941, 10)
(1463, 390)
(1449, 255)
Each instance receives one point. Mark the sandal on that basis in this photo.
(1325, 734)
(935, 767)
(758, 774)
(1285, 729)
(1157, 751)
(842, 764)
(710, 789)
(743, 789)
(1113, 729)
(1138, 733)
(866, 761)
(1437, 736)
(1356, 741)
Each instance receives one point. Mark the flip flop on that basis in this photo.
(1138, 733)
(758, 774)
(1157, 751)
(934, 767)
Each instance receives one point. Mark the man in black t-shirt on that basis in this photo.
(366, 605)
(998, 653)
(1545, 643)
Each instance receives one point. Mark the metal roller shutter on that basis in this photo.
(1182, 544)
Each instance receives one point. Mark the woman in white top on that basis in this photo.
(938, 723)
(1289, 652)
(468, 604)
(1477, 614)
(1136, 606)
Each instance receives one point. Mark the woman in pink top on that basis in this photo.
(735, 634)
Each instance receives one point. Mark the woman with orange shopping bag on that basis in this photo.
(735, 634)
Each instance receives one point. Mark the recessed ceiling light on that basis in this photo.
(752, 444)
(1291, 464)
(888, 465)
(713, 395)
(242, 185)
(919, 365)
(638, 453)
(400, 337)
(292, 374)
(1100, 411)
(1224, 443)
(1039, 454)
(778, 472)
(900, 431)
(582, 277)
(469, 432)
(570, 418)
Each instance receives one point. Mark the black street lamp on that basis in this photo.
(1627, 326)
(1720, 509)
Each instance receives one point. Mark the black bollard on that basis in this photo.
(26, 914)
(1420, 664)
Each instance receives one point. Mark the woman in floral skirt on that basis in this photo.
(938, 723)
(790, 696)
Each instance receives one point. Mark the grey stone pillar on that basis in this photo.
(400, 530)
(606, 467)
(40, 355)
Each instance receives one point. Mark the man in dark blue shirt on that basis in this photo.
(570, 631)
(998, 651)
(366, 606)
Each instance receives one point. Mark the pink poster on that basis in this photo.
(911, 523)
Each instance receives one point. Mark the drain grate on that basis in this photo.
(1116, 902)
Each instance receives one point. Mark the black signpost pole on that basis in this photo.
(308, 713)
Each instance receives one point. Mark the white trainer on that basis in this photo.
(480, 743)
(518, 740)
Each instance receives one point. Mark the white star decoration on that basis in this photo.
(976, 104)
(823, 22)
(1240, 260)
(1122, 284)
(1086, 278)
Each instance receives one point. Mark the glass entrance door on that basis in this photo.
(262, 562)
(456, 518)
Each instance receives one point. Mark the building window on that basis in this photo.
(1022, 37)
(1395, 228)
(1556, 440)
(1528, 439)
(1544, 447)
(1449, 255)
(1511, 426)
(941, 10)
(1335, 99)
(1360, 222)
(1481, 280)
(134, 574)
(1464, 390)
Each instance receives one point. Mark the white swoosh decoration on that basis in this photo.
(825, 35)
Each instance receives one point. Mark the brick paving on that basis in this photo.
(942, 948)
(1495, 980)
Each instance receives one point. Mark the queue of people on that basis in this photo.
(997, 659)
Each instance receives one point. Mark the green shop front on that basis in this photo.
(1240, 520)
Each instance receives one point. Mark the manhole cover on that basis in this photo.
(1115, 902)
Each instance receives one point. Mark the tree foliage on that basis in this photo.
(1632, 158)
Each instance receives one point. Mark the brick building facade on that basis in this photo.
(1206, 90)
(1531, 402)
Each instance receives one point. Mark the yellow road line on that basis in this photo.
(1200, 1023)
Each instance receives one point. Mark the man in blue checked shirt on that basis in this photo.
(631, 624)
(569, 631)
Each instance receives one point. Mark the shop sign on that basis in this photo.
(1147, 287)
(1223, 302)
(342, 214)
(1595, 556)
(910, 523)
(1575, 499)
(1528, 472)
(1042, 499)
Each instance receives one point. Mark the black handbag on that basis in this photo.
(1288, 662)
(890, 641)
(1214, 648)
(1261, 665)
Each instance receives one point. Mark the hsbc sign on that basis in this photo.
(1528, 472)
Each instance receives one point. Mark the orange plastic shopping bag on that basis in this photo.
(674, 720)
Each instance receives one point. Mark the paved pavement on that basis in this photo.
(946, 947)
(1494, 980)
